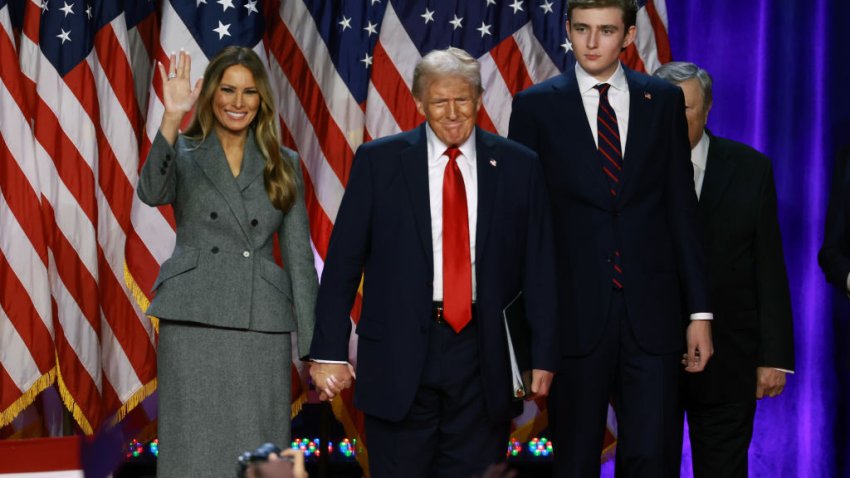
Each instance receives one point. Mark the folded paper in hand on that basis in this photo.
(519, 346)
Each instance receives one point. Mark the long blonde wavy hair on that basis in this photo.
(278, 174)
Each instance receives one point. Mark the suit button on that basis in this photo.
(162, 171)
(214, 250)
(610, 258)
(164, 164)
(213, 215)
(168, 157)
(246, 254)
(254, 222)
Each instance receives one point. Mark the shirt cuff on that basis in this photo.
(847, 283)
(329, 361)
(702, 316)
(783, 370)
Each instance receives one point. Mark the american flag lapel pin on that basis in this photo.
(492, 162)
(647, 95)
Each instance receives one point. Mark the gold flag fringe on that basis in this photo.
(139, 296)
(28, 397)
(135, 400)
(71, 404)
(297, 405)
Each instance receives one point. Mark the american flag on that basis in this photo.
(26, 318)
(341, 72)
(78, 86)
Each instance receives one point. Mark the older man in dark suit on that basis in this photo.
(753, 332)
(447, 224)
(614, 149)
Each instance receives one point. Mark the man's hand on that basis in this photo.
(541, 382)
(331, 378)
(771, 382)
(700, 347)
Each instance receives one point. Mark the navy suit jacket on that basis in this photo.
(652, 221)
(383, 230)
(752, 305)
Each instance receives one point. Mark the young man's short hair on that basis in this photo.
(629, 8)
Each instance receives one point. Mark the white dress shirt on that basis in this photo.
(437, 161)
(699, 158)
(618, 97)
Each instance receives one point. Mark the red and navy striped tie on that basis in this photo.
(611, 156)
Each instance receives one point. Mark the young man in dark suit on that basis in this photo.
(631, 281)
(752, 329)
(447, 224)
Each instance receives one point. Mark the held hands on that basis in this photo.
(541, 382)
(770, 383)
(178, 96)
(331, 378)
(700, 347)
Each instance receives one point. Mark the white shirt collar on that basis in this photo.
(586, 82)
(699, 155)
(436, 148)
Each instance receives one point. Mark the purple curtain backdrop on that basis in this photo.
(781, 81)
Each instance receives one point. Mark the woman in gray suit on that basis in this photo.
(226, 309)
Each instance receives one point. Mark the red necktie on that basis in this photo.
(457, 263)
(611, 155)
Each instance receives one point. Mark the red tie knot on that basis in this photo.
(453, 152)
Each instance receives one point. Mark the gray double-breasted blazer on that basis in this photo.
(222, 272)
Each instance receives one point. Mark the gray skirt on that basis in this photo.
(221, 392)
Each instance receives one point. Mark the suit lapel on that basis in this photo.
(210, 158)
(718, 171)
(640, 102)
(488, 181)
(414, 161)
(253, 163)
(584, 154)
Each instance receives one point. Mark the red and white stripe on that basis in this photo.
(77, 241)
(85, 126)
(26, 317)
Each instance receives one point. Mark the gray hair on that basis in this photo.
(681, 71)
(449, 62)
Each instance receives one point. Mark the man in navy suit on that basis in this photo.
(447, 225)
(631, 282)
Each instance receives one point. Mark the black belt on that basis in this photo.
(437, 312)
